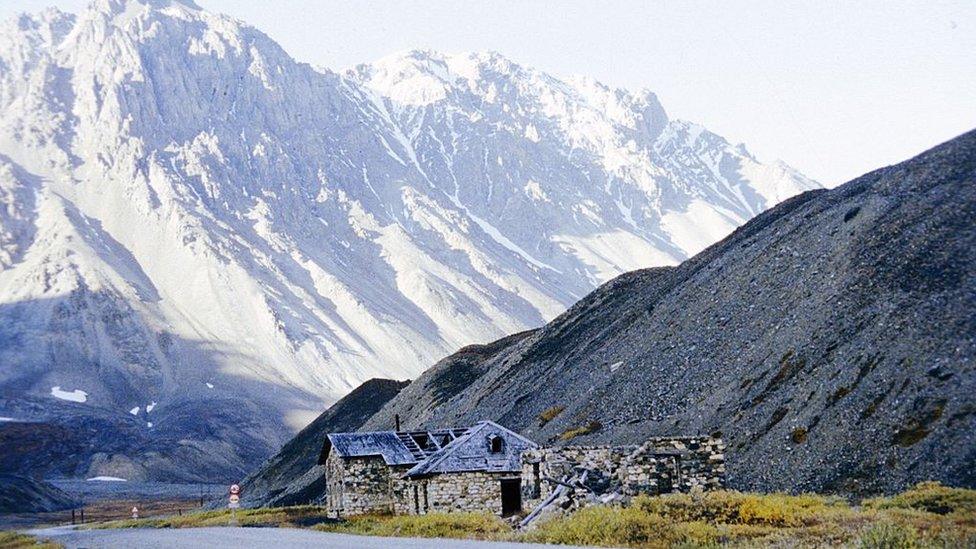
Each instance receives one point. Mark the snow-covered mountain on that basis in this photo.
(191, 219)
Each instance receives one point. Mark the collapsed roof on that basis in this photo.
(435, 451)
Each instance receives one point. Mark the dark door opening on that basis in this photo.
(511, 496)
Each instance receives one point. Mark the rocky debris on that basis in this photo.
(830, 342)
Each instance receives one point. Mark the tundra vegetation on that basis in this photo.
(16, 540)
(928, 515)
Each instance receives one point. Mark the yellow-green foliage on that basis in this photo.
(931, 497)
(927, 516)
(738, 508)
(736, 519)
(550, 414)
(888, 535)
(275, 516)
(606, 527)
(590, 427)
(16, 540)
(433, 525)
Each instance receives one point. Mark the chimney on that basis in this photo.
(396, 418)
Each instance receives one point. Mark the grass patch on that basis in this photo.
(433, 525)
(16, 540)
(298, 516)
(927, 516)
(931, 497)
(550, 414)
(737, 519)
(778, 510)
(590, 427)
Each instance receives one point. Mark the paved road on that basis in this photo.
(245, 538)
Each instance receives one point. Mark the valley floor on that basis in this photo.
(927, 516)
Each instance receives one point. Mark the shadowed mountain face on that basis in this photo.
(830, 341)
(26, 495)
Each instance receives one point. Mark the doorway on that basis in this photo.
(511, 496)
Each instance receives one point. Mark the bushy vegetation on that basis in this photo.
(738, 508)
(433, 525)
(931, 497)
(909, 520)
(927, 516)
(16, 540)
(589, 427)
(550, 414)
(888, 535)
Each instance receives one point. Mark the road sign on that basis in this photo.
(235, 489)
(135, 512)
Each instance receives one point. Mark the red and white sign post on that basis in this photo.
(234, 502)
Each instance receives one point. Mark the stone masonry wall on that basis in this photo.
(358, 485)
(472, 491)
(660, 465)
(335, 472)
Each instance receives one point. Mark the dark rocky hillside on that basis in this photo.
(291, 476)
(19, 494)
(830, 341)
(70, 440)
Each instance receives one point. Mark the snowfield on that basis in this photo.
(189, 216)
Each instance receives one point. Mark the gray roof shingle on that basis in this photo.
(471, 453)
(396, 448)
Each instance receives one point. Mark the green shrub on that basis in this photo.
(887, 535)
(932, 497)
(723, 507)
(606, 527)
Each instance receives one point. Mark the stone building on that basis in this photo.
(660, 465)
(472, 469)
(487, 467)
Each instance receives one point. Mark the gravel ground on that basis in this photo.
(242, 538)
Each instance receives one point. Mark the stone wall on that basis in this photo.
(470, 491)
(358, 485)
(675, 465)
(335, 472)
(660, 465)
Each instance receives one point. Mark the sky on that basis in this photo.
(833, 88)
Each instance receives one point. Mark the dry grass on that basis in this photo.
(550, 414)
(932, 497)
(433, 525)
(929, 515)
(298, 516)
(16, 540)
(590, 427)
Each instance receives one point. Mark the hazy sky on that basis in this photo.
(832, 88)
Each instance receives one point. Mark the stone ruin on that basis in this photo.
(564, 479)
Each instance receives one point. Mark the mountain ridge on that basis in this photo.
(194, 217)
(829, 341)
